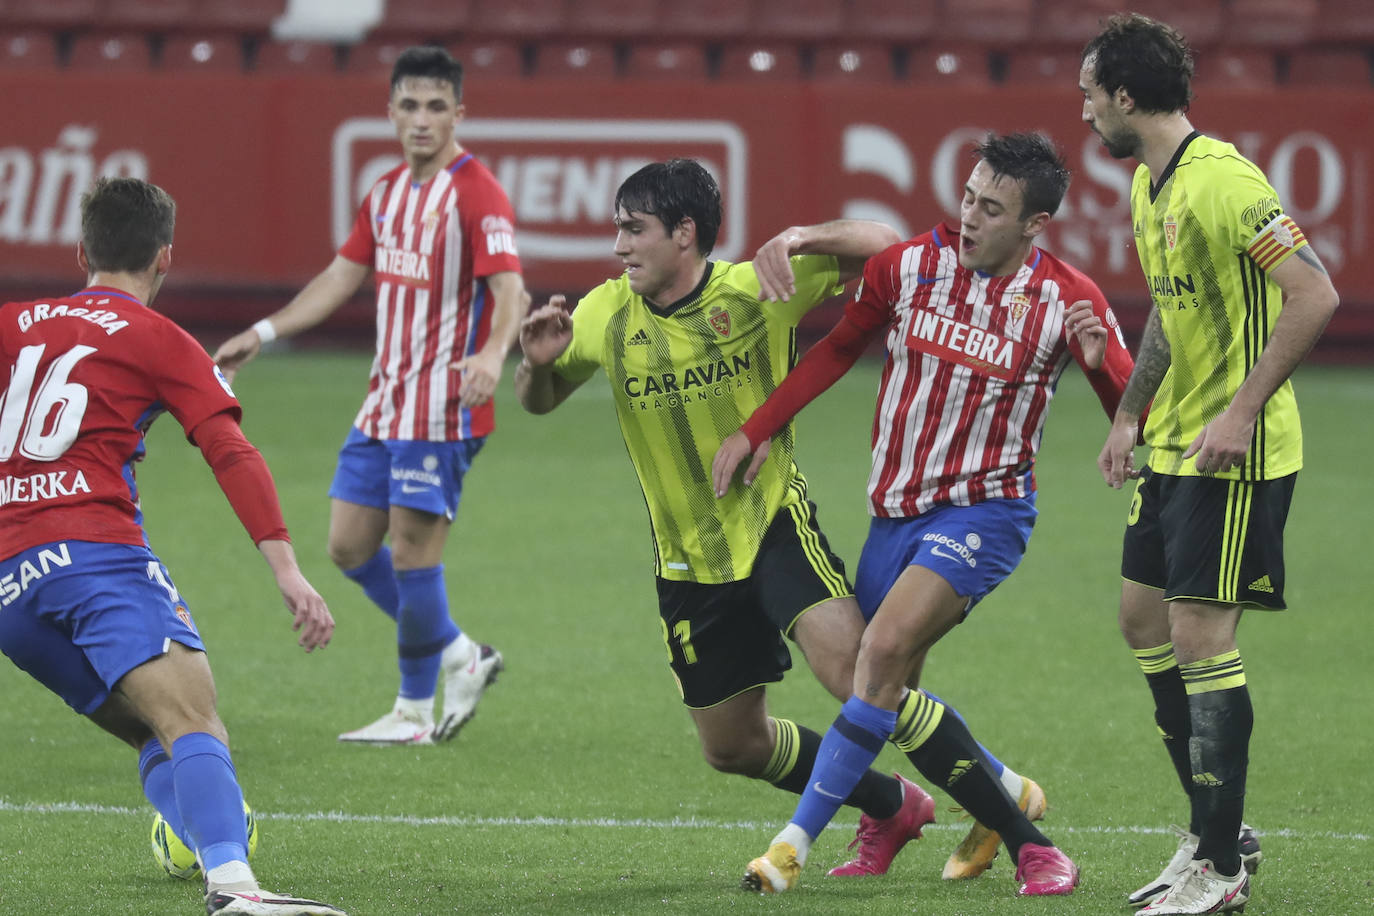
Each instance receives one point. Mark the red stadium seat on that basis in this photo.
(203, 53)
(375, 55)
(760, 61)
(248, 16)
(712, 20)
(1344, 21)
(1045, 66)
(1073, 22)
(797, 19)
(1336, 68)
(152, 15)
(428, 18)
(671, 60)
(1234, 68)
(990, 22)
(854, 62)
(35, 49)
(1285, 23)
(889, 20)
(518, 19)
(575, 59)
(948, 63)
(112, 52)
(284, 57)
(56, 14)
(614, 18)
(494, 58)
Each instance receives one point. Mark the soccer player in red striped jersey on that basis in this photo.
(86, 607)
(979, 325)
(437, 233)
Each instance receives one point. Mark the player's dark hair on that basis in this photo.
(1033, 162)
(673, 191)
(428, 62)
(1150, 60)
(124, 221)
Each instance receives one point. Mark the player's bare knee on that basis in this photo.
(740, 758)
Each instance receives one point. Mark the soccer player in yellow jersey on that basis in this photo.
(1239, 298)
(691, 347)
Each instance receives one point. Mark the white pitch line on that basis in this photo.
(343, 817)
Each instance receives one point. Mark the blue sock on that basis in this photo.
(378, 580)
(423, 628)
(997, 765)
(155, 772)
(847, 751)
(209, 799)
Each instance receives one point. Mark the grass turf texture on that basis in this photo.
(579, 787)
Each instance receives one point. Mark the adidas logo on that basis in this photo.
(1206, 779)
(1262, 584)
(961, 768)
(640, 339)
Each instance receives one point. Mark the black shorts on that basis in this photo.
(1209, 539)
(724, 639)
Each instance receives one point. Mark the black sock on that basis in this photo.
(1222, 720)
(794, 756)
(1172, 717)
(944, 751)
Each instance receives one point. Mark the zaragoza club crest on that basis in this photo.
(720, 320)
(1170, 232)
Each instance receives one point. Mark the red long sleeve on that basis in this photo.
(243, 476)
(820, 368)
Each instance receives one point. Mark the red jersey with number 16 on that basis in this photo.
(431, 246)
(84, 377)
(972, 362)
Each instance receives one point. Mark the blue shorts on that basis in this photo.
(382, 473)
(78, 616)
(973, 548)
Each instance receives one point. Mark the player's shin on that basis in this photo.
(209, 800)
(1222, 719)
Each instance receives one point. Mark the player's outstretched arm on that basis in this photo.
(1116, 461)
(320, 298)
(852, 241)
(310, 617)
(482, 370)
(544, 335)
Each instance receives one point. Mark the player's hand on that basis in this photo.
(773, 265)
(236, 351)
(1081, 322)
(546, 332)
(732, 451)
(480, 373)
(311, 617)
(1117, 458)
(1222, 444)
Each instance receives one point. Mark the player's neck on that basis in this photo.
(1160, 140)
(138, 286)
(422, 170)
(682, 286)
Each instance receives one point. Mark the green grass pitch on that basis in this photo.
(579, 787)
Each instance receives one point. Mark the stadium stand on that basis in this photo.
(1282, 23)
(622, 19)
(777, 60)
(51, 14)
(1329, 67)
(576, 60)
(202, 53)
(950, 63)
(854, 61)
(1235, 68)
(296, 56)
(808, 20)
(1042, 66)
(1344, 21)
(491, 58)
(375, 55)
(675, 60)
(423, 18)
(115, 52)
(32, 49)
(711, 20)
(146, 15)
(889, 20)
(1073, 22)
(1000, 23)
(528, 19)
(248, 17)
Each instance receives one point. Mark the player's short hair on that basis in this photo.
(1033, 162)
(1151, 60)
(673, 191)
(124, 221)
(428, 62)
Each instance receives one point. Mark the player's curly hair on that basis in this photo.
(1149, 59)
(673, 191)
(1032, 161)
(124, 222)
(428, 62)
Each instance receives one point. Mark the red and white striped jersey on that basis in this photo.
(431, 247)
(972, 362)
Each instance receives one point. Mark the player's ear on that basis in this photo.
(81, 260)
(1123, 100)
(685, 232)
(1036, 224)
(164, 259)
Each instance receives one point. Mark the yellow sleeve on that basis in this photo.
(584, 355)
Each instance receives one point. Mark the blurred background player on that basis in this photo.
(89, 610)
(1239, 298)
(438, 232)
(979, 325)
(691, 348)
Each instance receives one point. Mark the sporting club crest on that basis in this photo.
(720, 320)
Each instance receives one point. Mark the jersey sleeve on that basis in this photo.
(817, 278)
(187, 381)
(584, 355)
(872, 306)
(489, 227)
(1108, 380)
(361, 243)
(1248, 211)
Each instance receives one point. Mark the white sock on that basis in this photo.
(799, 840)
(459, 652)
(231, 876)
(421, 709)
(1012, 783)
